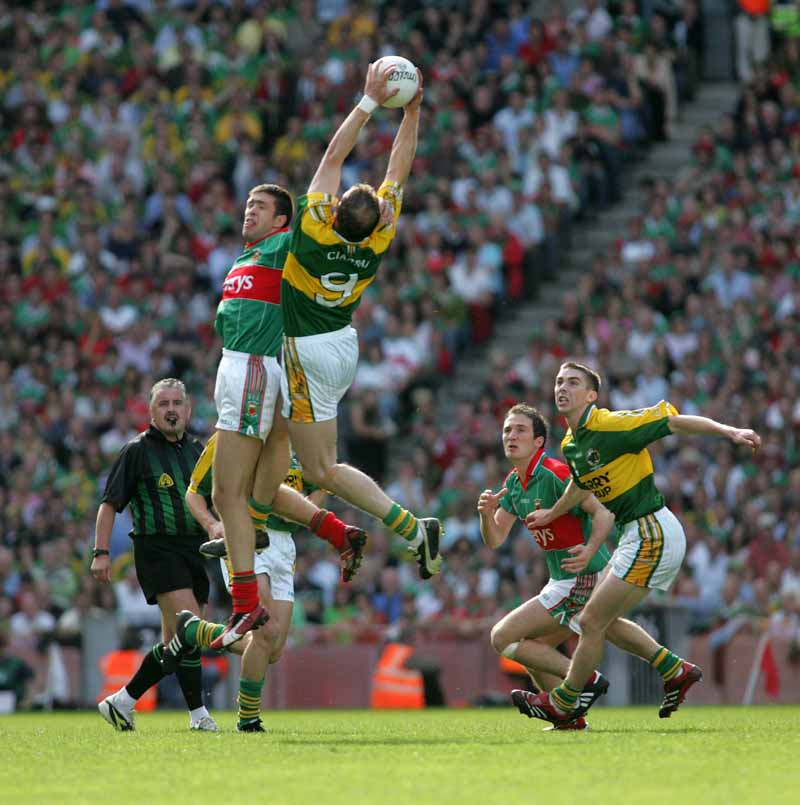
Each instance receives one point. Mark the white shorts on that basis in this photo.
(650, 551)
(317, 372)
(246, 393)
(564, 599)
(277, 562)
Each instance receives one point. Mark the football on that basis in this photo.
(404, 79)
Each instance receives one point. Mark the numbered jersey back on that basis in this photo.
(325, 275)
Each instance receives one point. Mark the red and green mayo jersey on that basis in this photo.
(249, 315)
(608, 455)
(325, 275)
(545, 480)
(202, 481)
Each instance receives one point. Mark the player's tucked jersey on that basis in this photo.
(544, 481)
(202, 480)
(249, 315)
(608, 455)
(325, 275)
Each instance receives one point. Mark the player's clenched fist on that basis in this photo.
(489, 501)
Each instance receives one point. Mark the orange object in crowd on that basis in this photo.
(393, 686)
(755, 8)
(118, 668)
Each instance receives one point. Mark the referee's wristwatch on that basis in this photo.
(99, 552)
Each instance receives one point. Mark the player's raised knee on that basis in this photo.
(499, 639)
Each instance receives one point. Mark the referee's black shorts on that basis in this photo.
(162, 567)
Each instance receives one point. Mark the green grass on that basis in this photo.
(701, 755)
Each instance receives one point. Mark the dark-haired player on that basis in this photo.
(336, 248)
(607, 455)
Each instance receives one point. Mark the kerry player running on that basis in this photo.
(335, 251)
(575, 553)
(607, 454)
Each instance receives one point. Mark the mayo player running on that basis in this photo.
(575, 556)
(607, 454)
(250, 324)
(336, 249)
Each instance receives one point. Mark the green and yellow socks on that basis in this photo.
(402, 522)
(667, 664)
(249, 701)
(564, 697)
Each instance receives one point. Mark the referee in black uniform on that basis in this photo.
(151, 474)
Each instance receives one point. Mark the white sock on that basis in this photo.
(124, 700)
(198, 714)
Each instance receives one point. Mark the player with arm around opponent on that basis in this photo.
(576, 557)
(607, 455)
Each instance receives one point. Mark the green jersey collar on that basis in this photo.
(586, 414)
(532, 467)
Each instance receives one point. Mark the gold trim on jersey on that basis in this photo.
(299, 394)
(204, 464)
(618, 476)
(318, 223)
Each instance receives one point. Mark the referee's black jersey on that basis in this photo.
(152, 474)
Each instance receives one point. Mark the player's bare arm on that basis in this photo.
(405, 142)
(495, 522)
(329, 173)
(701, 425)
(573, 496)
(197, 505)
(602, 523)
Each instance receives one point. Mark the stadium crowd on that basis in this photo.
(130, 133)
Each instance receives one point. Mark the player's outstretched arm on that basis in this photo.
(329, 172)
(572, 496)
(602, 523)
(404, 148)
(701, 425)
(495, 522)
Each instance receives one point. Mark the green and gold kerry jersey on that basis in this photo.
(608, 455)
(325, 275)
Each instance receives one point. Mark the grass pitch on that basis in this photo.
(702, 755)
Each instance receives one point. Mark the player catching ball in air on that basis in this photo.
(336, 248)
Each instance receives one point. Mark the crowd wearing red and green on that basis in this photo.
(131, 133)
